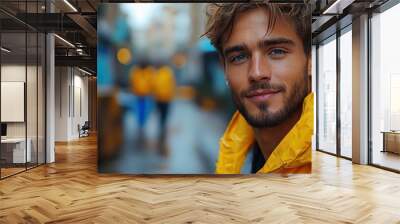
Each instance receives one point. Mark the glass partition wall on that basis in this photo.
(334, 94)
(22, 77)
(327, 95)
(345, 66)
(385, 89)
(334, 125)
(13, 110)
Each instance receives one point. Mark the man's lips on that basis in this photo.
(261, 95)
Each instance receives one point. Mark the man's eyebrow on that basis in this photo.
(235, 48)
(275, 41)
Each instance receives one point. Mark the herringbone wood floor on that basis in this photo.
(71, 191)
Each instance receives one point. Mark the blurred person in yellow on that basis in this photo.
(265, 50)
(141, 85)
(163, 88)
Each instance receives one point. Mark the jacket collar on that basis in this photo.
(295, 148)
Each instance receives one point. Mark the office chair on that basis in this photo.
(84, 130)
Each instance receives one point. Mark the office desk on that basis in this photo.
(391, 141)
(16, 147)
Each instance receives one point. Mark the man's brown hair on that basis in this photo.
(221, 17)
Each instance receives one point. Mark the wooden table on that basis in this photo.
(391, 141)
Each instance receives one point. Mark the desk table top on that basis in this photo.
(13, 140)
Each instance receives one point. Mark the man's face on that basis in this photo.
(267, 72)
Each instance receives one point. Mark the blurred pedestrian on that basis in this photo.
(163, 92)
(140, 82)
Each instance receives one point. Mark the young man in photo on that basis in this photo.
(265, 50)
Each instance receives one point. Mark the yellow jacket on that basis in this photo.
(140, 80)
(292, 155)
(164, 84)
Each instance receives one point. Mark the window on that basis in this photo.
(385, 89)
(327, 95)
(346, 93)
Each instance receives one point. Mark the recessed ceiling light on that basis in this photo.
(64, 40)
(84, 71)
(338, 6)
(5, 50)
(70, 5)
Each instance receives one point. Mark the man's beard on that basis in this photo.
(291, 103)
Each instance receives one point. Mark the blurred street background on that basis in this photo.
(163, 101)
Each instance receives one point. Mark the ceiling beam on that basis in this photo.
(86, 26)
(82, 61)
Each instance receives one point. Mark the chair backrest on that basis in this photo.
(86, 125)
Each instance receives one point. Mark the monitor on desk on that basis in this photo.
(3, 130)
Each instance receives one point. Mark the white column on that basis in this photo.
(50, 94)
(360, 90)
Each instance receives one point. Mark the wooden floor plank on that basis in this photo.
(71, 191)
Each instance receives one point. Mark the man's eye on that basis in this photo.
(238, 58)
(277, 52)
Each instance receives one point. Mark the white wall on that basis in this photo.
(80, 100)
(61, 103)
(70, 83)
(14, 73)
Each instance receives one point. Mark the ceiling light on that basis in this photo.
(84, 71)
(70, 5)
(338, 6)
(5, 49)
(65, 41)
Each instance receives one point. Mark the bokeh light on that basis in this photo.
(124, 56)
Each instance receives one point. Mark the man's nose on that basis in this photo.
(259, 68)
